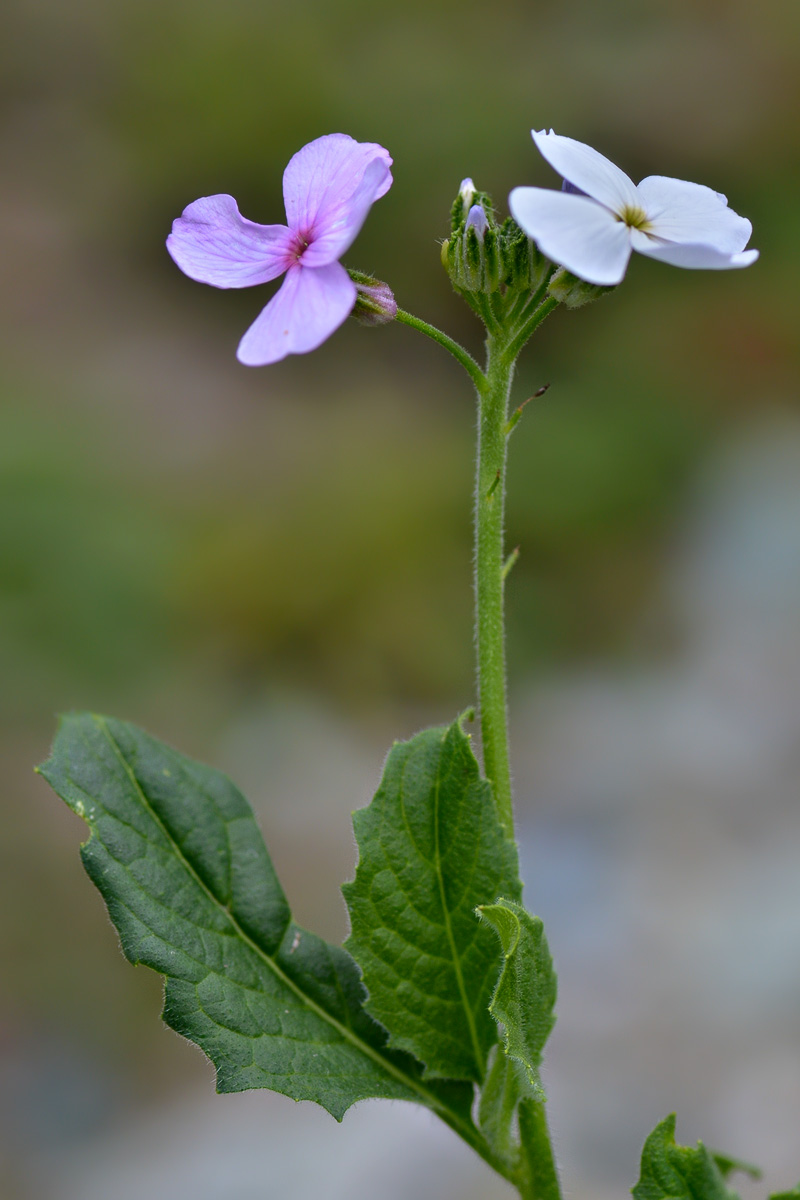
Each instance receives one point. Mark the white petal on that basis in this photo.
(575, 231)
(695, 256)
(679, 211)
(587, 169)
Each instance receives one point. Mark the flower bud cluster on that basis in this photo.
(482, 256)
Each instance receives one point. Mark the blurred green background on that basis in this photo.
(208, 549)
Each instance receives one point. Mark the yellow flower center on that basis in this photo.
(635, 218)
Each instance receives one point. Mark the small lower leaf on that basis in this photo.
(794, 1194)
(180, 862)
(525, 995)
(673, 1172)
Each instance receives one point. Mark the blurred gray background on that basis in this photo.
(251, 563)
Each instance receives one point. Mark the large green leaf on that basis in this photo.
(525, 995)
(673, 1172)
(431, 850)
(188, 883)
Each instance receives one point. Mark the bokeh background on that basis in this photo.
(271, 568)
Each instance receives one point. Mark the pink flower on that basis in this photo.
(328, 188)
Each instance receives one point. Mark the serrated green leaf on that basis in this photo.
(431, 849)
(525, 995)
(673, 1172)
(180, 862)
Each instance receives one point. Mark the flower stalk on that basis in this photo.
(490, 577)
(506, 337)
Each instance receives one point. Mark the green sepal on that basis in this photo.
(431, 847)
(180, 862)
(673, 1172)
(375, 302)
(473, 276)
(525, 995)
(524, 267)
(492, 260)
(573, 292)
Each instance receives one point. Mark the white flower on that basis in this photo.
(591, 228)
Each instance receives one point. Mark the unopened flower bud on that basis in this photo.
(477, 220)
(472, 247)
(482, 256)
(470, 255)
(375, 302)
(468, 198)
(572, 291)
(467, 194)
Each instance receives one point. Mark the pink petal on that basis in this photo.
(311, 303)
(213, 243)
(679, 211)
(329, 187)
(588, 170)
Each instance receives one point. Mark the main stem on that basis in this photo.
(489, 582)
(535, 1175)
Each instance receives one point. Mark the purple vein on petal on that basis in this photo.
(310, 304)
(329, 187)
(213, 243)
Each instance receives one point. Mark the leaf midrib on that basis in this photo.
(473, 1032)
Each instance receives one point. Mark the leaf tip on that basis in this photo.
(467, 715)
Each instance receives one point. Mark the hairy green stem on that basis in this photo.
(487, 313)
(538, 1176)
(531, 302)
(489, 577)
(458, 352)
(529, 327)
